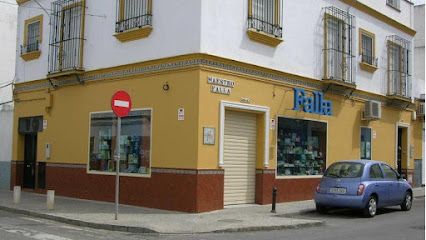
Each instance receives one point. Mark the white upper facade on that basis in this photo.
(8, 18)
(419, 51)
(219, 27)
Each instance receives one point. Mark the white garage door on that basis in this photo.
(239, 157)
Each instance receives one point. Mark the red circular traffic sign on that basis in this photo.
(121, 103)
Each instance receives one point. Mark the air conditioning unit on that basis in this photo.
(372, 110)
(421, 110)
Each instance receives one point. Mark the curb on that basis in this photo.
(144, 230)
(270, 228)
(80, 223)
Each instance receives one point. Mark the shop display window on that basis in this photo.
(366, 143)
(135, 142)
(301, 147)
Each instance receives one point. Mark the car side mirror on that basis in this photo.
(401, 176)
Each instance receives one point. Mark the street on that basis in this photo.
(390, 223)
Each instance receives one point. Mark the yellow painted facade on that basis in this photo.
(344, 127)
(173, 142)
(179, 144)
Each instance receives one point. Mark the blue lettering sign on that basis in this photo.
(312, 104)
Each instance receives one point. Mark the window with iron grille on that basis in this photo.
(66, 36)
(133, 14)
(399, 76)
(367, 48)
(394, 4)
(338, 45)
(32, 35)
(265, 16)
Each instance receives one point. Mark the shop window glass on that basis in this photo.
(135, 142)
(301, 147)
(366, 143)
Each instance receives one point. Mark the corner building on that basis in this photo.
(229, 98)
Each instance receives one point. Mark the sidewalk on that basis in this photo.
(138, 219)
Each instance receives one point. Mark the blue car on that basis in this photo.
(362, 184)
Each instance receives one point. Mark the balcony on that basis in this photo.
(398, 73)
(368, 63)
(66, 38)
(264, 21)
(338, 49)
(399, 86)
(30, 51)
(134, 19)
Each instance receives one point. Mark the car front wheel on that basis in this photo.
(408, 202)
(370, 209)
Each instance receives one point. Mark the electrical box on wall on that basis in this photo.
(47, 150)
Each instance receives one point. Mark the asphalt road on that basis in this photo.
(390, 223)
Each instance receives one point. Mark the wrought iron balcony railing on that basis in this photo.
(338, 66)
(399, 84)
(66, 36)
(265, 16)
(133, 14)
(370, 60)
(135, 22)
(32, 47)
(399, 67)
(338, 46)
(266, 27)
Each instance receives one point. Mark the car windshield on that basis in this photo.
(345, 170)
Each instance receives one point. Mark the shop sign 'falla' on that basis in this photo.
(221, 86)
(312, 104)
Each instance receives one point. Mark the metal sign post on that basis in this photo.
(121, 104)
(117, 168)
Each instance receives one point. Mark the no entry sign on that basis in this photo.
(121, 103)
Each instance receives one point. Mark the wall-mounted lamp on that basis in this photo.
(166, 87)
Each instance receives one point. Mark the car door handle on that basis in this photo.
(376, 185)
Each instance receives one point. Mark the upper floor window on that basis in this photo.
(134, 19)
(394, 4)
(133, 14)
(399, 75)
(367, 49)
(338, 45)
(66, 36)
(265, 16)
(32, 38)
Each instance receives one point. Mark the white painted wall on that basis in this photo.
(224, 34)
(8, 14)
(8, 20)
(218, 27)
(403, 16)
(176, 27)
(419, 51)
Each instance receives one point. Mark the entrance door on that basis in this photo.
(239, 157)
(399, 156)
(30, 160)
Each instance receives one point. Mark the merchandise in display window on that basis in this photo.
(135, 142)
(301, 147)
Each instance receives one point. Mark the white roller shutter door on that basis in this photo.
(239, 157)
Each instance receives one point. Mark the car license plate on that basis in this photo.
(338, 190)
